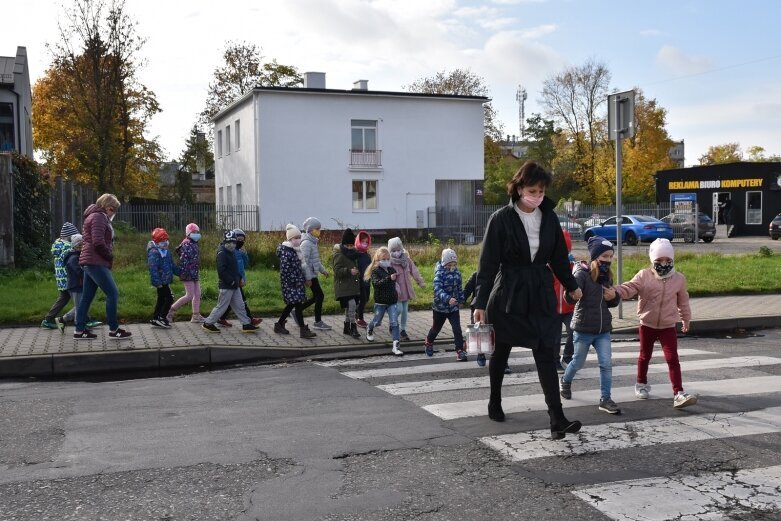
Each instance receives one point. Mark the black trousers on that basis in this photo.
(317, 299)
(246, 307)
(362, 300)
(299, 313)
(59, 304)
(545, 360)
(165, 300)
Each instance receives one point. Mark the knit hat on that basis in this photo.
(229, 236)
(191, 228)
(598, 245)
(159, 235)
(661, 248)
(238, 232)
(363, 236)
(394, 244)
(76, 240)
(291, 230)
(448, 256)
(67, 230)
(348, 237)
(311, 223)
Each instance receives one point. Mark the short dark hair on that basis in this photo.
(529, 174)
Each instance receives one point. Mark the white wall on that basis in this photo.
(304, 143)
(238, 166)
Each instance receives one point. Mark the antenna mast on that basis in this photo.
(520, 97)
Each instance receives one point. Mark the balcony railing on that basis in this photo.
(366, 158)
(7, 79)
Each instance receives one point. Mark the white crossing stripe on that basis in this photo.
(695, 497)
(459, 366)
(478, 382)
(511, 404)
(385, 359)
(623, 435)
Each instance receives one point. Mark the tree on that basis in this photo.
(540, 140)
(461, 82)
(90, 112)
(718, 154)
(756, 154)
(197, 155)
(243, 70)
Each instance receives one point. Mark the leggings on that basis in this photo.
(299, 313)
(362, 300)
(545, 360)
(669, 340)
(317, 300)
(349, 311)
(192, 293)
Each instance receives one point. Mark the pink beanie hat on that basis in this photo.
(191, 228)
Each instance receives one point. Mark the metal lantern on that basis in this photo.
(480, 338)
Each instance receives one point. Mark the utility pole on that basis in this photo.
(520, 97)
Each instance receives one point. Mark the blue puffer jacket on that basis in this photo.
(161, 265)
(243, 260)
(447, 285)
(60, 248)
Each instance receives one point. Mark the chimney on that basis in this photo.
(314, 80)
(361, 85)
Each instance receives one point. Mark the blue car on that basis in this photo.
(634, 228)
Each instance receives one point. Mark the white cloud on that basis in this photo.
(674, 61)
(518, 2)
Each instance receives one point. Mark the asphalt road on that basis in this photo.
(387, 439)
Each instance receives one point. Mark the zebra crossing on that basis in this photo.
(726, 380)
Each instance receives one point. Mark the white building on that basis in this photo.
(357, 158)
(16, 131)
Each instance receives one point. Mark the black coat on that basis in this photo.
(227, 270)
(591, 314)
(521, 304)
(384, 286)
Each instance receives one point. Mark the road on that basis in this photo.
(383, 438)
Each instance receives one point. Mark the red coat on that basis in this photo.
(562, 306)
(98, 238)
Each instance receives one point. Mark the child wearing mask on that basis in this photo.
(313, 267)
(363, 242)
(243, 260)
(658, 317)
(384, 279)
(448, 298)
(407, 271)
(229, 282)
(592, 322)
(293, 281)
(347, 285)
(161, 273)
(189, 273)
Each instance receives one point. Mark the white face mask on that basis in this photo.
(296, 242)
(384, 264)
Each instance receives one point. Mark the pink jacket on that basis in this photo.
(406, 268)
(662, 301)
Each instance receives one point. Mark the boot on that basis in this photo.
(354, 330)
(347, 328)
(560, 425)
(495, 411)
(306, 333)
(396, 351)
(279, 328)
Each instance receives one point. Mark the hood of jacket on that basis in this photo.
(93, 208)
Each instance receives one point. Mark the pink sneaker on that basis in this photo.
(197, 318)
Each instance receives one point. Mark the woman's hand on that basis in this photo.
(479, 315)
(576, 295)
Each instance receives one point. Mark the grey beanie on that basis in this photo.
(395, 244)
(311, 223)
(448, 256)
(76, 240)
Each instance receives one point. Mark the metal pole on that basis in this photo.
(619, 209)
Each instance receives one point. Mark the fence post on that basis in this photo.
(6, 211)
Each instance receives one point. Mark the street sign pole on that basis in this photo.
(619, 218)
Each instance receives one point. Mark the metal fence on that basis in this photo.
(466, 225)
(173, 216)
(67, 203)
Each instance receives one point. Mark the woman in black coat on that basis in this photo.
(523, 242)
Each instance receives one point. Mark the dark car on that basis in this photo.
(634, 228)
(775, 227)
(684, 228)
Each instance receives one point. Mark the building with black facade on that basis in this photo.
(744, 195)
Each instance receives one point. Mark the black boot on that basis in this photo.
(560, 425)
(306, 333)
(495, 411)
(347, 330)
(354, 330)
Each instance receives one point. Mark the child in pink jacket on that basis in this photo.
(663, 299)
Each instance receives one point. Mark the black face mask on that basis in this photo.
(239, 244)
(662, 269)
(604, 267)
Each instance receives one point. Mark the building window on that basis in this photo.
(238, 193)
(227, 140)
(363, 143)
(219, 143)
(221, 198)
(753, 207)
(237, 136)
(364, 195)
(229, 193)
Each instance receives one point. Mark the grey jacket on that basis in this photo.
(311, 257)
(591, 313)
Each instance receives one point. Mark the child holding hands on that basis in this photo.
(448, 297)
(383, 277)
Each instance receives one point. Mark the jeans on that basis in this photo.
(98, 277)
(403, 314)
(601, 343)
(393, 317)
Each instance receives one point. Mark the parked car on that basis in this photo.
(683, 226)
(775, 227)
(575, 230)
(634, 228)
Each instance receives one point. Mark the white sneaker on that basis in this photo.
(683, 399)
(198, 319)
(370, 334)
(642, 391)
(396, 350)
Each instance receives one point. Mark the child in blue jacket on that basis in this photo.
(161, 273)
(448, 297)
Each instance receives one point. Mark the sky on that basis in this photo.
(714, 65)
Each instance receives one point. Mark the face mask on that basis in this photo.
(384, 263)
(604, 267)
(662, 269)
(195, 237)
(532, 201)
(315, 233)
(111, 217)
(295, 242)
(163, 244)
(230, 246)
(397, 254)
(571, 257)
(453, 268)
(239, 244)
